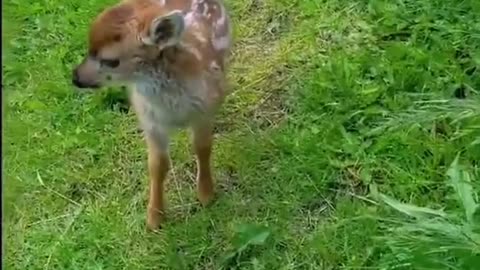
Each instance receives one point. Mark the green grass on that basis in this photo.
(330, 98)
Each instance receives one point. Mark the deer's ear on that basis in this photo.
(165, 30)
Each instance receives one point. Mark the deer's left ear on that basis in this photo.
(165, 30)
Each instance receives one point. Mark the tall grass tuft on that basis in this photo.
(435, 238)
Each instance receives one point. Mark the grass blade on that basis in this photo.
(460, 181)
(410, 209)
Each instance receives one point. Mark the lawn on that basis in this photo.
(336, 105)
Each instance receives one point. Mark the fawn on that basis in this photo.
(172, 54)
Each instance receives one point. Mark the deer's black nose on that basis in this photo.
(79, 83)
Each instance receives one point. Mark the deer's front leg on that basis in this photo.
(202, 143)
(158, 167)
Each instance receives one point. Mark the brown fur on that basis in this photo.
(109, 27)
(176, 63)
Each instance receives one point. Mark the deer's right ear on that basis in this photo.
(165, 30)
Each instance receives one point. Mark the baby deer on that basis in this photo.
(172, 55)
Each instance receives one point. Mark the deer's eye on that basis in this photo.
(111, 63)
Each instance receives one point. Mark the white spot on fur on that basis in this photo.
(199, 37)
(214, 66)
(221, 33)
(192, 50)
(190, 19)
(221, 43)
(223, 18)
(196, 3)
(205, 9)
